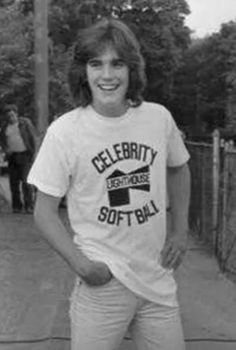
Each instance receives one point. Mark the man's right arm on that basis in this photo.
(53, 230)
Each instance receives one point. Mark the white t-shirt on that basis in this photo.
(113, 172)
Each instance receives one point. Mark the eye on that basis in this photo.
(94, 63)
(119, 63)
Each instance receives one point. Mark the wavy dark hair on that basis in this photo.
(10, 107)
(90, 43)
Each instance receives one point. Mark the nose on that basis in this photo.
(107, 72)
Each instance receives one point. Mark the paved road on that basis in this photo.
(35, 284)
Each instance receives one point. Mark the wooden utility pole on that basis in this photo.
(41, 64)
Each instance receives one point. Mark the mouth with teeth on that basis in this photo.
(108, 87)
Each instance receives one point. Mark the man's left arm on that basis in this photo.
(178, 186)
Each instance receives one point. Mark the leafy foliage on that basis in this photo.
(16, 57)
(206, 80)
(164, 38)
(4, 3)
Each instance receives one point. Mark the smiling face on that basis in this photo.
(108, 79)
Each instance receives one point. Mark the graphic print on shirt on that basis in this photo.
(120, 184)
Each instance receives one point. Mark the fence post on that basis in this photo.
(225, 184)
(203, 198)
(215, 192)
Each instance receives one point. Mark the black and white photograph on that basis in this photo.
(117, 175)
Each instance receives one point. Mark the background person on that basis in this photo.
(18, 139)
(111, 156)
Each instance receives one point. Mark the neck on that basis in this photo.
(111, 111)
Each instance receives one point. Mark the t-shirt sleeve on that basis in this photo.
(177, 153)
(50, 172)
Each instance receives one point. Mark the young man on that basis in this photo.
(18, 140)
(111, 156)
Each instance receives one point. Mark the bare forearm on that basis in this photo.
(178, 181)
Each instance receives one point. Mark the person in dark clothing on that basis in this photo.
(18, 140)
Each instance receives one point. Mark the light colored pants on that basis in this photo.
(101, 316)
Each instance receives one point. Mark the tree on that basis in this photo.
(228, 47)
(163, 36)
(5, 3)
(205, 84)
(16, 58)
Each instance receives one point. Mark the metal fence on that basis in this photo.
(213, 198)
